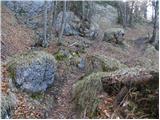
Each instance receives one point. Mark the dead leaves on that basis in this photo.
(24, 110)
(105, 108)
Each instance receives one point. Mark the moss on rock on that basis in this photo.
(32, 71)
(85, 93)
(97, 63)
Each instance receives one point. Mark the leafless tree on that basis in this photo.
(45, 41)
(50, 25)
(54, 12)
(154, 40)
(63, 23)
(83, 9)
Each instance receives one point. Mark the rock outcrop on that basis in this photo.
(33, 71)
(114, 35)
(72, 23)
(104, 16)
(95, 63)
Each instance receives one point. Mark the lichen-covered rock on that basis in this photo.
(114, 35)
(150, 59)
(33, 71)
(97, 63)
(104, 16)
(85, 90)
(72, 23)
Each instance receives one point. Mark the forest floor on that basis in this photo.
(63, 106)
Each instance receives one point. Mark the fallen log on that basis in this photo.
(130, 77)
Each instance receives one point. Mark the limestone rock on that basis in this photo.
(71, 23)
(104, 16)
(97, 63)
(33, 71)
(114, 35)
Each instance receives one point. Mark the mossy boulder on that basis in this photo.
(95, 63)
(32, 71)
(85, 92)
(149, 59)
(114, 35)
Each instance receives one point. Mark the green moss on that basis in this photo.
(103, 63)
(25, 59)
(37, 96)
(85, 93)
(11, 70)
(59, 57)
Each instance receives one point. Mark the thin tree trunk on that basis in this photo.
(155, 24)
(145, 11)
(83, 10)
(131, 13)
(54, 12)
(122, 10)
(45, 42)
(130, 78)
(51, 21)
(63, 23)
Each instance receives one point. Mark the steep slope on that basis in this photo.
(15, 37)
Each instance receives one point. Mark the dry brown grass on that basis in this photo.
(15, 37)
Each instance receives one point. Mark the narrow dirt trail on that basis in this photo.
(64, 107)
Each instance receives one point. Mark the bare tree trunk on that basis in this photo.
(155, 24)
(83, 10)
(63, 23)
(51, 21)
(130, 78)
(54, 12)
(45, 42)
(145, 11)
(122, 11)
(131, 13)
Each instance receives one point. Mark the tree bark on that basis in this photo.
(54, 12)
(63, 23)
(131, 13)
(45, 42)
(155, 23)
(130, 78)
(83, 10)
(51, 21)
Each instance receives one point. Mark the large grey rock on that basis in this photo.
(33, 71)
(30, 8)
(72, 23)
(104, 17)
(27, 12)
(114, 34)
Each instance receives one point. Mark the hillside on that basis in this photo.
(87, 76)
(16, 38)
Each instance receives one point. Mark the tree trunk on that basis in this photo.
(155, 23)
(63, 23)
(145, 11)
(130, 77)
(131, 13)
(122, 11)
(45, 41)
(54, 12)
(83, 10)
(51, 21)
